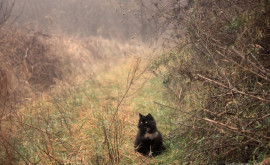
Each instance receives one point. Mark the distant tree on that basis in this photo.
(6, 8)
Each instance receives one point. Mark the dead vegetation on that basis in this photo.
(35, 62)
(34, 66)
(219, 79)
(43, 113)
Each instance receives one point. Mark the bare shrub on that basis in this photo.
(223, 60)
(29, 62)
(6, 8)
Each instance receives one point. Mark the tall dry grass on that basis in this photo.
(91, 124)
(35, 68)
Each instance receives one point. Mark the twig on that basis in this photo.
(132, 75)
(257, 119)
(233, 128)
(56, 160)
(232, 89)
(23, 158)
(107, 143)
(241, 66)
(253, 64)
(65, 120)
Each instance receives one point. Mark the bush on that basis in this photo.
(219, 79)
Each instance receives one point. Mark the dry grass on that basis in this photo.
(65, 123)
(79, 126)
(85, 112)
(36, 62)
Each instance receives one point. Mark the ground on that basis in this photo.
(96, 122)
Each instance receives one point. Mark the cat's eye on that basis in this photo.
(141, 122)
(146, 122)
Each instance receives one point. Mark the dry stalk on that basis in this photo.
(232, 89)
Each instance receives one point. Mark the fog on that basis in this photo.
(118, 19)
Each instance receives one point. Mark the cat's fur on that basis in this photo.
(149, 140)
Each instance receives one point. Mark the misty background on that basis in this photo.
(118, 19)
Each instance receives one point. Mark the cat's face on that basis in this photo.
(147, 122)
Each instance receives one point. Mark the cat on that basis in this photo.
(149, 140)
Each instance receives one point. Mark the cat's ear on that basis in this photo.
(150, 116)
(140, 115)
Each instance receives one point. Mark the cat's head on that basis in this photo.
(146, 123)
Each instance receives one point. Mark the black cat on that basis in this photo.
(149, 140)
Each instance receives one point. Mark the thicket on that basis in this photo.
(218, 76)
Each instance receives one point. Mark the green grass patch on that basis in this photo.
(78, 127)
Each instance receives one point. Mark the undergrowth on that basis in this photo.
(80, 125)
(218, 77)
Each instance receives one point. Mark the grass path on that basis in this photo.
(78, 127)
(109, 87)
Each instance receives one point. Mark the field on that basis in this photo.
(75, 76)
(93, 120)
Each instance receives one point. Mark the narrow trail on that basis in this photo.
(78, 126)
(108, 89)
